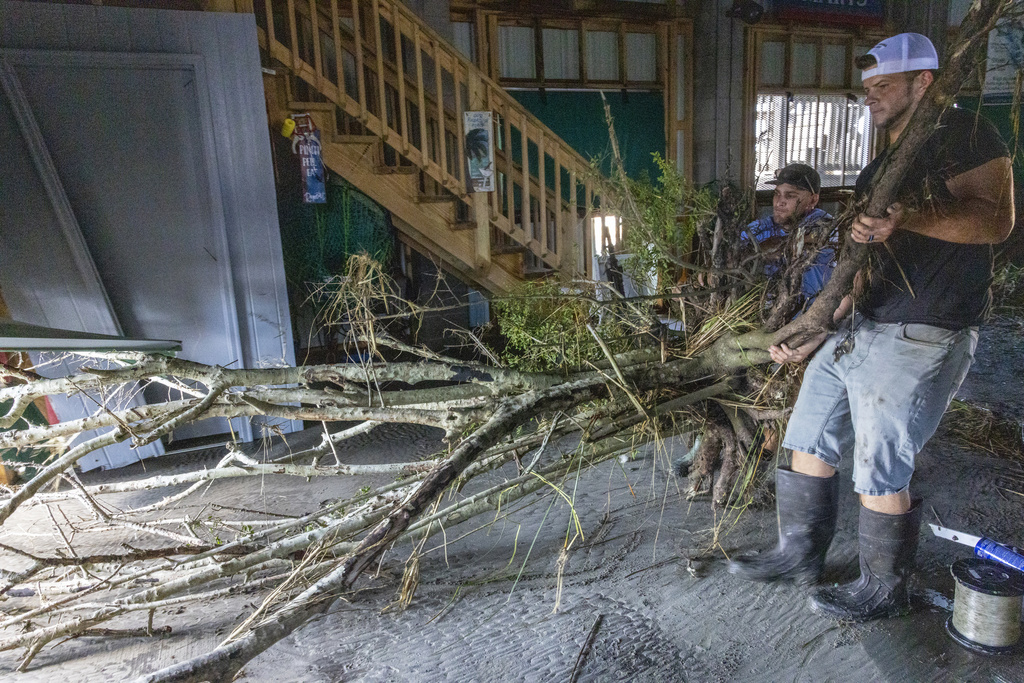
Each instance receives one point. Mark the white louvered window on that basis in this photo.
(830, 133)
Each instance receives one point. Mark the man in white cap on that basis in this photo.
(879, 386)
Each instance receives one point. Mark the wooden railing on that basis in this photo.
(382, 65)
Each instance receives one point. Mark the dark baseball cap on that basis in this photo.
(798, 175)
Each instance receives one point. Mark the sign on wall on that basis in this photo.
(1005, 60)
(306, 143)
(846, 12)
(479, 150)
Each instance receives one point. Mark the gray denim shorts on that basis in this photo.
(881, 401)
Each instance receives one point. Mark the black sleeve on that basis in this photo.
(968, 141)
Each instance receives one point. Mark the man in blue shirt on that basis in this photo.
(794, 208)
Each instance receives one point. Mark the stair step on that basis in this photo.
(436, 199)
(464, 225)
(311, 106)
(355, 139)
(391, 170)
(509, 249)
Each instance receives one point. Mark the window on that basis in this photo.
(602, 55)
(598, 53)
(561, 54)
(809, 107)
(830, 133)
(516, 53)
(641, 57)
(465, 38)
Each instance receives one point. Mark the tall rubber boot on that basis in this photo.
(807, 509)
(888, 544)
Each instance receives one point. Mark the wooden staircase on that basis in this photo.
(388, 95)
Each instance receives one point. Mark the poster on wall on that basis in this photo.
(306, 143)
(479, 150)
(1005, 60)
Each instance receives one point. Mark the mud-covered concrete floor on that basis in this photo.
(493, 605)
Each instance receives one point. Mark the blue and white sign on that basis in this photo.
(306, 143)
(861, 12)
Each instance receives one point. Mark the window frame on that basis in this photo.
(756, 37)
(582, 27)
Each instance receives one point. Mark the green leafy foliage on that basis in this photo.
(660, 235)
(545, 325)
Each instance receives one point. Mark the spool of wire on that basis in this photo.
(986, 606)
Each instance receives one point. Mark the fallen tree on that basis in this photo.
(612, 378)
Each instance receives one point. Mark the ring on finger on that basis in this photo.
(871, 238)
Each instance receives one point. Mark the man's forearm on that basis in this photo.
(970, 221)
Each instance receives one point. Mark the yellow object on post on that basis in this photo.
(288, 127)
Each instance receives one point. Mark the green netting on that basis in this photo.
(318, 239)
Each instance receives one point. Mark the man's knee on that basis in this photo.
(805, 463)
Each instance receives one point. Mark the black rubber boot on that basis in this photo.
(806, 509)
(888, 544)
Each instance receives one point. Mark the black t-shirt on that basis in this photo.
(919, 279)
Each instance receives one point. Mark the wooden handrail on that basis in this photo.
(557, 225)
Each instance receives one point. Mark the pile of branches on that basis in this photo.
(631, 382)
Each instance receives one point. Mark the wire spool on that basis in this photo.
(986, 606)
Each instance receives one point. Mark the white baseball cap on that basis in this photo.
(904, 52)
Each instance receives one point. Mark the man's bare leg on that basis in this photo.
(805, 463)
(893, 504)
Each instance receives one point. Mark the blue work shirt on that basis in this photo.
(818, 273)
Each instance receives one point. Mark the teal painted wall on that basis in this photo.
(578, 118)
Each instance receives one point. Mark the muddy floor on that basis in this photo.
(644, 596)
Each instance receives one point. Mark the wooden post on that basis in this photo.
(510, 211)
(460, 133)
(542, 194)
(442, 145)
(318, 64)
(382, 95)
(357, 30)
(481, 210)
(294, 31)
(403, 116)
(339, 51)
(588, 261)
(421, 98)
(525, 186)
(559, 236)
(271, 37)
(574, 223)
(491, 106)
